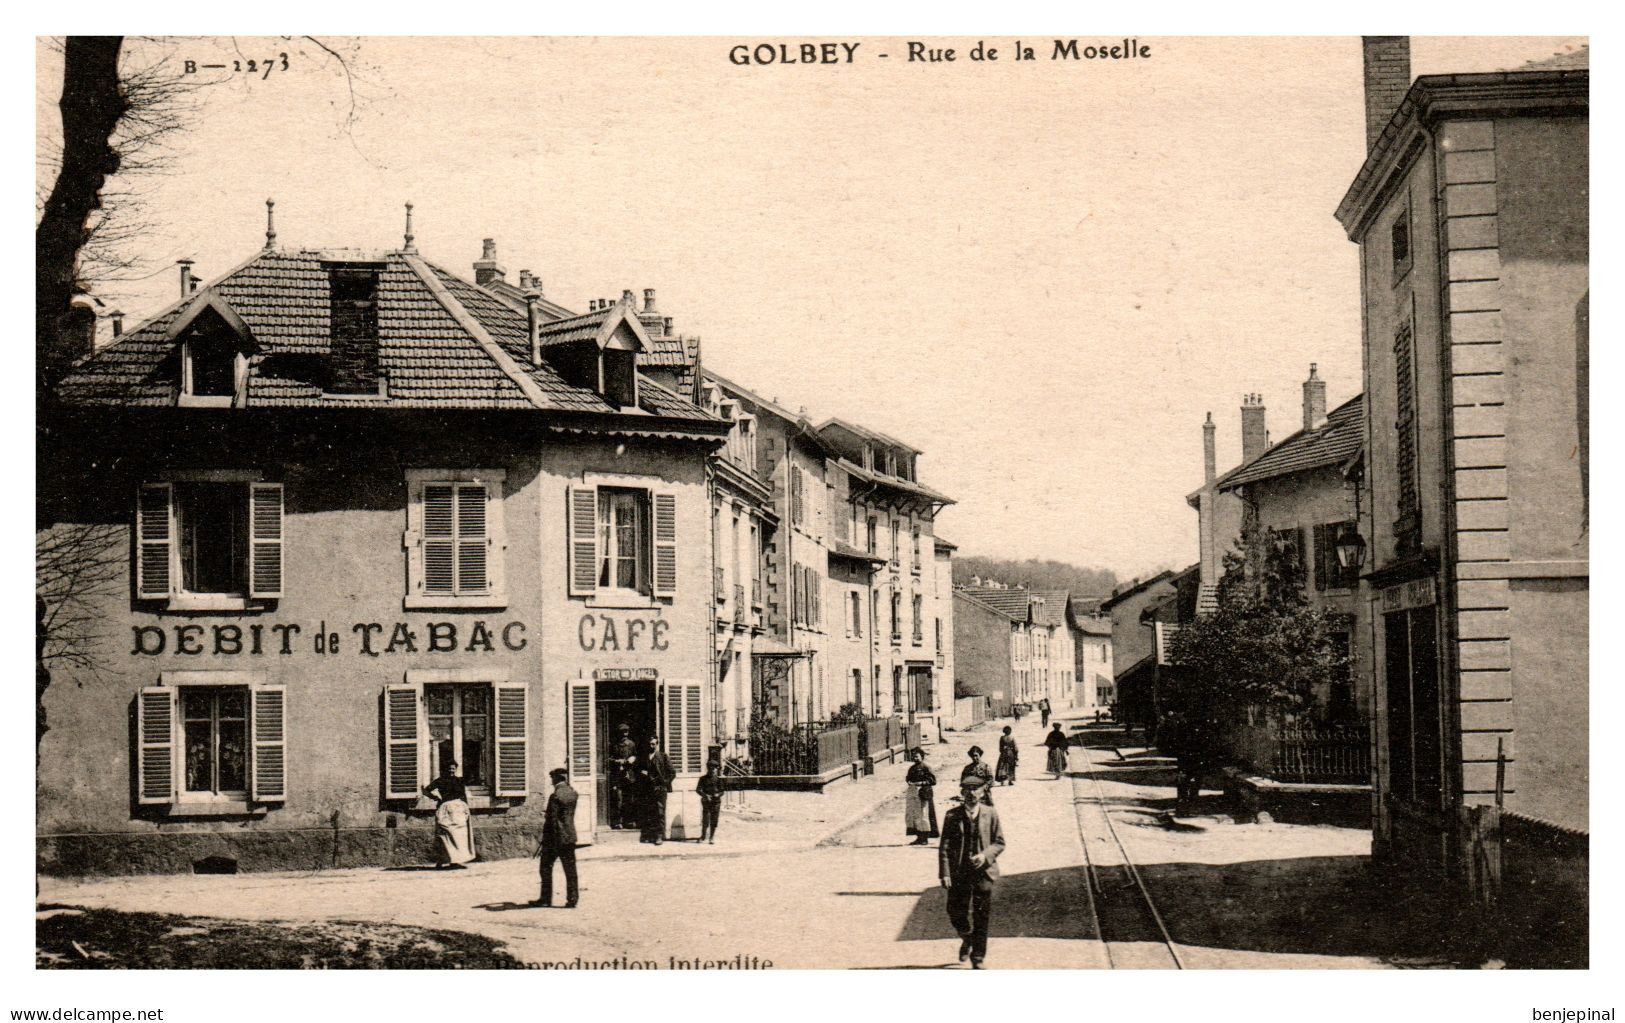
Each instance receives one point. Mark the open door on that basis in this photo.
(582, 742)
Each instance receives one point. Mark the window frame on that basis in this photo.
(495, 595)
(653, 595)
(175, 597)
(184, 803)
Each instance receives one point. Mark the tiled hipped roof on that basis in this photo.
(1010, 603)
(1332, 444)
(430, 347)
(1049, 606)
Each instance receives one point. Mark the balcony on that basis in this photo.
(756, 593)
(739, 604)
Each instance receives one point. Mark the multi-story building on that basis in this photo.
(942, 630)
(992, 641)
(1095, 689)
(1472, 218)
(1134, 644)
(333, 523)
(1302, 493)
(882, 521)
(1055, 629)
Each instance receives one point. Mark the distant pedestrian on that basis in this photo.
(1057, 742)
(1043, 710)
(967, 864)
(558, 842)
(920, 807)
(1005, 772)
(453, 825)
(978, 769)
(655, 776)
(710, 790)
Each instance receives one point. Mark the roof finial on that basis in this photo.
(270, 225)
(408, 247)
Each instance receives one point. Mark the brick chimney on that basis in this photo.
(1210, 460)
(654, 324)
(1255, 436)
(117, 316)
(534, 317)
(486, 268)
(186, 276)
(1314, 401)
(1387, 62)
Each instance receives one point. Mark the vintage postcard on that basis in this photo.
(984, 502)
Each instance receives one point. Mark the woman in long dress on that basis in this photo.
(453, 825)
(920, 807)
(1057, 742)
(1006, 771)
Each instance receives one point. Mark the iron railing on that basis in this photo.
(804, 749)
(1334, 754)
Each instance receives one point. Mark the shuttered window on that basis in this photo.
(454, 538)
(208, 743)
(209, 538)
(621, 540)
(513, 740)
(482, 727)
(1408, 528)
(685, 727)
(403, 742)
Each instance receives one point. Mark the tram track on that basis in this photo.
(1126, 919)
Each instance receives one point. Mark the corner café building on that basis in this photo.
(329, 522)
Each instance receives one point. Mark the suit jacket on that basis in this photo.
(559, 825)
(959, 841)
(659, 771)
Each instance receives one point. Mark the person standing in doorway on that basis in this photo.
(656, 779)
(1057, 742)
(1005, 773)
(967, 862)
(558, 842)
(623, 780)
(710, 790)
(453, 824)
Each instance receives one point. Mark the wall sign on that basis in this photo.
(601, 632)
(374, 639)
(625, 674)
(1415, 593)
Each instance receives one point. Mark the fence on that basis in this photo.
(1322, 753)
(804, 749)
(970, 711)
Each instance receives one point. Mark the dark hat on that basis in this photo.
(558, 774)
(625, 727)
(974, 750)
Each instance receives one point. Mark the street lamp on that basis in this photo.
(1351, 550)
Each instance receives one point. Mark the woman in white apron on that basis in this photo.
(453, 824)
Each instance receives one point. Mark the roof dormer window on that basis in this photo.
(214, 347)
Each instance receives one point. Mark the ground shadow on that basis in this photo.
(505, 907)
(1327, 905)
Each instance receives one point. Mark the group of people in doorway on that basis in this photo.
(639, 782)
(971, 837)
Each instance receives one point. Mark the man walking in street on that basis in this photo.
(968, 866)
(559, 840)
(657, 775)
(623, 780)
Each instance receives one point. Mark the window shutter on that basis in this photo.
(693, 729)
(265, 539)
(472, 540)
(270, 778)
(154, 540)
(582, 742)
(665, 545)
(403, 752)
(155, 738)
(1322, 548)
(437, 539)
(513, 734)
(583, 529)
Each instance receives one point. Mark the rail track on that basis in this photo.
(1126, 919)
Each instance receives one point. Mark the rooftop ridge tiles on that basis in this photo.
(471, 324)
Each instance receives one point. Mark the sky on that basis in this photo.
(1044, 274)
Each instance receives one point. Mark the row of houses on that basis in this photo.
(1442, 512)
(336, 521)
(1016, 646)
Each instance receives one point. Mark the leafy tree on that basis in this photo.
(1265, 649)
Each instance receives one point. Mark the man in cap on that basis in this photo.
(968, 865)
(623, 780)
(558, 842)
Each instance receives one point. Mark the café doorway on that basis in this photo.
(616, 703)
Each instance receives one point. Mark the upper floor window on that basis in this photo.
(454, 538)
(1329, 571)
(896, 540)
(622, 540)
(916, 563)
(211, 368)
(209, 543)
(213, 344)
(919, 619)
(797, 495)
(870, 536)
(896, 617)
(857, 614)
(1399, 243)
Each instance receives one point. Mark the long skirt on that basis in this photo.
(1057, 761)
(1006, 770)
(455, 830)
(920, 815)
